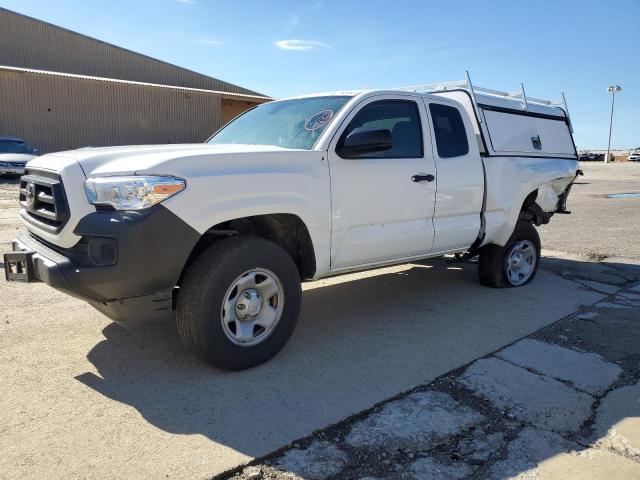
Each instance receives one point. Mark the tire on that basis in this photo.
(492, 264)
(208, 311)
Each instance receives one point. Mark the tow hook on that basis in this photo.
(563, 197)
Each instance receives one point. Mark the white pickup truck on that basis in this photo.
(218, 236)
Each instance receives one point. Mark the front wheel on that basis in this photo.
(516, 263)
(239, 302)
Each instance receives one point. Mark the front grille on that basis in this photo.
(17, 164)
(43, 201)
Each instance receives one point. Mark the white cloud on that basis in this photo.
(186, 1)
(208, 41)
(300, 44)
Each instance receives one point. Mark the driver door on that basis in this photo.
(383, 202)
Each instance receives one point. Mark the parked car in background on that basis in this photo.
(591, 157)
(634, 157)
(14, 155)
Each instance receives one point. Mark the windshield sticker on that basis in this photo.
(318, 120)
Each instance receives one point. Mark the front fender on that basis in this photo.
(209, 201)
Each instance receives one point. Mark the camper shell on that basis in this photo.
(511, 124)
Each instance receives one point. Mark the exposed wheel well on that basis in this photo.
(285, 229)
(531, 211)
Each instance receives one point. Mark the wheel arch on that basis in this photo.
(531, 212)
(287, 230)
(524, 208)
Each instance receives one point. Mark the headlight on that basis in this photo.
(131, 193)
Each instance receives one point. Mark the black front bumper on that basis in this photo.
(135, 285)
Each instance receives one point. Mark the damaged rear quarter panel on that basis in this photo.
(511, 179)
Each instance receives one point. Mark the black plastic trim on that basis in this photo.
(153, 246)
(37, 214)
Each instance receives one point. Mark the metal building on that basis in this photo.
(61, 90)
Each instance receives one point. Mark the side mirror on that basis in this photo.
(35, 151)
(367, 141)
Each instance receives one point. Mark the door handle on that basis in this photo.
(423, 178)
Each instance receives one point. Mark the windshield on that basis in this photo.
(294, 123)
(11, 146)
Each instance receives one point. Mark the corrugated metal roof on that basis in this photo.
(132, 82)
(55, 113)
(32, 43)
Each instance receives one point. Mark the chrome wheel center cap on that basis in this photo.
(249, 304)
(515, 261)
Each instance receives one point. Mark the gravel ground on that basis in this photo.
(9, 222)
(599, 227)
(561, 403)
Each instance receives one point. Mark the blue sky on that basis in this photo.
(285, 48)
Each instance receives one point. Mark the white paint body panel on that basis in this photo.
(512, 133)
(73, 179)
(460, 188)
(509, 181)
(16, 163)
(359, 213)
(378, 213)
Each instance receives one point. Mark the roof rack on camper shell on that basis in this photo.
(520, 96)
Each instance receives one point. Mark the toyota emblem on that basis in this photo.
(30, 194)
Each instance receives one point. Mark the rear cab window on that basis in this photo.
(450, 134)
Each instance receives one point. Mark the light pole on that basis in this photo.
(612, 90)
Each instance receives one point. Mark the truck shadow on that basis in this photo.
(359, 341)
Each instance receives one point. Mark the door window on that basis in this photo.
(400, 118)
(451, 137)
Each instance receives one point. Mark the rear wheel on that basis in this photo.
(239, 302)
(516, 263)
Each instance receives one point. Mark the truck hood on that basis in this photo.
(155, 159)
